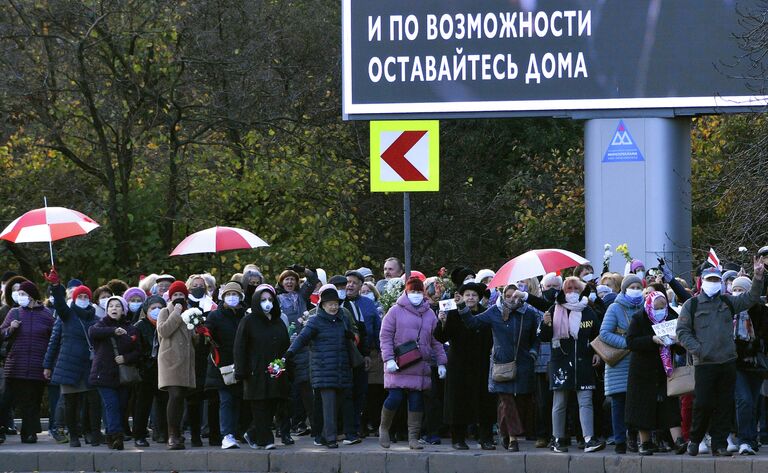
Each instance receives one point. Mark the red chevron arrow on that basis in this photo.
(394, 156)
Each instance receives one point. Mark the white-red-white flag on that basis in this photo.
(713, 259)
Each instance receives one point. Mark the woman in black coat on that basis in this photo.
(648, 407)
(222, 324)
(467, 399)
(261, 338)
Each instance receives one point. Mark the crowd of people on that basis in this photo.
(579, 360)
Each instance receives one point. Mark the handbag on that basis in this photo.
(682, 380)
(7, 344)
(408, 353)
(228, 374)
(88, 340)
(505, 372)
(129, 374)
(609, 353)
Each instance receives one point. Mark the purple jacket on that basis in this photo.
(104, 370)
(25, 361)
(400, 325)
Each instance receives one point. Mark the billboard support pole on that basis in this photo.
(407, 232)
(637, 190)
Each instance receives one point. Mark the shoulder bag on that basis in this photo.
(129, 374)
(504, 372)
(409, 353)
(610, 354)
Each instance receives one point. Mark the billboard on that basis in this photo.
(578, 58)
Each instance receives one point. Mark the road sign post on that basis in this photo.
(405, 157)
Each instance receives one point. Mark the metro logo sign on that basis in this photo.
(405, 156)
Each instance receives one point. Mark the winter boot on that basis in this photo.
(387, 417)
(117, 441)
(414, 427)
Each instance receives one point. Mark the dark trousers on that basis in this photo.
(713, 405)
(26, 399)
(374, 400)
(301, 396)
(433, 405)
(262, 412)
(331, 401)
(359, 391)
(543, 406)
(146, 393)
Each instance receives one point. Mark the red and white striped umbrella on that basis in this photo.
(48, 224)
(216, 239)
(535, 263)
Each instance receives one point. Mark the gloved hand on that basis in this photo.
(391, 366)
(288, 355)
(441, 371)
(52, 277)
(665, 271)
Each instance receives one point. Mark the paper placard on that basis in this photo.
(665, 328)
(447, 304)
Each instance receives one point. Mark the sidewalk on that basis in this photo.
(368, 457)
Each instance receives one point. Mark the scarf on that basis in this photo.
(567, 319)
(665, 352)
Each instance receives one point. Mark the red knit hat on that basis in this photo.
(414, 284)
(82, 289)
(177, 286)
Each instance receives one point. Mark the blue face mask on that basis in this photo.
(153, 313)
(135, 306)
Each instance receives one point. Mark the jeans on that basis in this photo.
(714, 402)
(747, 398)
(397, 395)
(53, 401)
(115, 402)
(229, 411)
(586, 413)
(618, 402)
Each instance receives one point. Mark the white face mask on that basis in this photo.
(370, 296)
(266, 306)
(23, 301)
(15, 296)
(103, 303)
(634, 293)
(82, 303)
(415, 298)
(342, 294)
(640, 274)
(232, 301)
(711, 288)
(738, 292)
(50, 299)
(572, 297)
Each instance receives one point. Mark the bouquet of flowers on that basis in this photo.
(192, 317)
(392, 291)
(624, 252)
(607, 255)
(276, 368)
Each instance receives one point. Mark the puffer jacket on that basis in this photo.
(70, 358)
(25, 360)
(328, 337)
(613, 331)
(404, 323)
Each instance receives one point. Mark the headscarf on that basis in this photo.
(665, 352)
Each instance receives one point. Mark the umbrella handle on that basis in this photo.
(50, 243)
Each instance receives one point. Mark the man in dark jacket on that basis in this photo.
(705, 329)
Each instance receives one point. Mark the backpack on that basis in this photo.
(695, 303)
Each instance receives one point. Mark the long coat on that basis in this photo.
(613, 331)
(69, 356)
(176, 357)
(149, 344)
(466, 398)
(647, 382)
(571, 362)
(259, 341)
(404, 323)
(223, 323)
(328, 338)
(25, 360)
(105, 371)
(506, 347)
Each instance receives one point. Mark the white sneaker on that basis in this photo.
(703, 447)
(228, 442)
(733, 447)
(746, 449)
(271, 446)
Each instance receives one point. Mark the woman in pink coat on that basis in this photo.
(407, 348)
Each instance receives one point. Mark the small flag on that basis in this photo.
(713, 259)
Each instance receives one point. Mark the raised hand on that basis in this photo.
(758, 267)
(52, 277)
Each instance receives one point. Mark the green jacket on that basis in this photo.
(710, 337)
